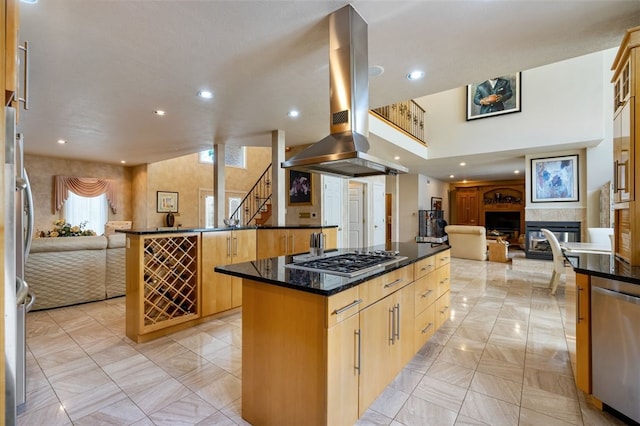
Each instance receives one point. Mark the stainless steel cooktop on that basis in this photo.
(349, 264)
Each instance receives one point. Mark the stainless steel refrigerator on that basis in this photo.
(18, 226)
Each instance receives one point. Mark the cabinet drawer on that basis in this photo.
(443, 275)
(425, 326)
(424, 266)
(373, 290)
(426, 292)
(443, 258)
(342, 305)
(442, 309)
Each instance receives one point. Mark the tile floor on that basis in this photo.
(501, 359)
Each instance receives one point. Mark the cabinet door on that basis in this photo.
(405, 327)
(343, 363)
(623, 154)
(467, 207)
(442, 309)
(298, 240)
(271, 243)
(243, 248)
(216, 288)
(377, 328)
(11, 52)
(443, 274)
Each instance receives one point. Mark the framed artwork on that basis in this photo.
(436, 203)
(554, 179)
(496, 96)
(300, 190)
(167, 202)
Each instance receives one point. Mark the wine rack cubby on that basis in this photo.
(162, 282)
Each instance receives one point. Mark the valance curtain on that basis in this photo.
(85, 187)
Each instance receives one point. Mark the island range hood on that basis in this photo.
(344, 152)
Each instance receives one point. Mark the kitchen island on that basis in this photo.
(603, 330)
(318, 348)
(170, 281)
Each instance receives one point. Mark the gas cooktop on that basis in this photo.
(349, 264)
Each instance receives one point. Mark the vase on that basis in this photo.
(171, 219)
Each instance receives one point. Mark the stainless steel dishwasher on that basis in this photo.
(615, 328)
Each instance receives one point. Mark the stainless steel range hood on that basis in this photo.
(344, 151)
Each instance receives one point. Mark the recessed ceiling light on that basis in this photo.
(451, 176)
(293, 113)
(375, 71)
(61, 141)
(205, 94)
(123, 162)
(396, 158)
(464, 181)
(463, 164)
(516, 172)
(415, 75)
(159, 112)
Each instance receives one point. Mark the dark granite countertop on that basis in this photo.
(178, 229)
(272, 270)
(605, 266)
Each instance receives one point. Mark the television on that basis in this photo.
(502, 221)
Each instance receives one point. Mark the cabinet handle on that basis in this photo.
(426, 294)
(444, 258)
(228, 246)
(397, 308)
(358, 366)
(427, 267)
(444, 310)
(444, 280)
(235, 246)
(25, 100)
(292, 242)
(392, 325)
(391, 284)
(349, 306)
(615, 176)
(424, 330)
(578, 313)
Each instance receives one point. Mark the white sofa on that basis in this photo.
(71, 270)
(467, 241)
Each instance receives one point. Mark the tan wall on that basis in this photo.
(137, 185)
(293, 211)
(186, 176)
(42, 170)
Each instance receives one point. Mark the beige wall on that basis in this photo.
(42, 170)
(137, 185)
(294, 211)
(186, 176)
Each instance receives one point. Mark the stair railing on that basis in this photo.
(255, 201)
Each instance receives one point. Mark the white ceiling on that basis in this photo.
(99, 68)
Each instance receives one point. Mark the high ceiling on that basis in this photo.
(99, 68)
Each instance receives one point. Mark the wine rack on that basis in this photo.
(170, 278)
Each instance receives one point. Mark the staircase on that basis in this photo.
(255, 207)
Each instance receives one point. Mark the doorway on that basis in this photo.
(357, 214)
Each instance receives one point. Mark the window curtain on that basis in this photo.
(85, 187)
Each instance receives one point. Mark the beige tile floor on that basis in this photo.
(501, 359)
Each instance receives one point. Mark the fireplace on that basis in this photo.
(506, 222)
(537, 246)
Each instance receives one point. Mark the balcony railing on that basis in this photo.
(407, 116)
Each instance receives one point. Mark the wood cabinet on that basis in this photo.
(467, 207)
(162, 274)
(10, 45)
(220, 292)
(273, 242)
(432, 302)
(626, 85)
(323, 360)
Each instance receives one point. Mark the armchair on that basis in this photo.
(467, 241)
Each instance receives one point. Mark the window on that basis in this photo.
(93, 210)
(234, 156)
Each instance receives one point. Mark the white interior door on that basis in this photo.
(378, 214)
(356, 215)
(205, 208)
(332, 204)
